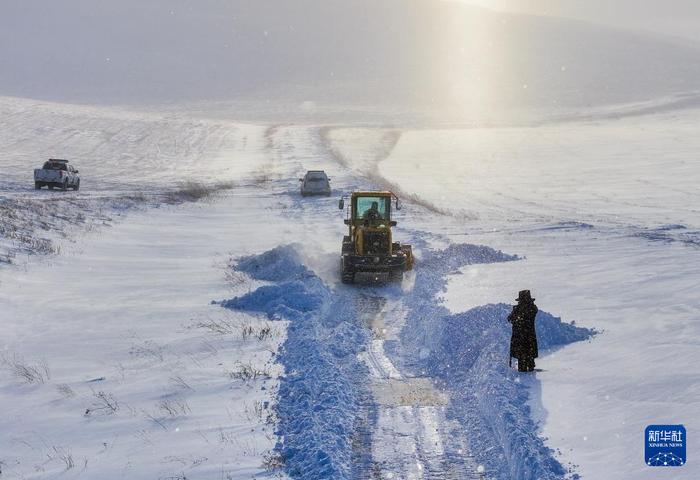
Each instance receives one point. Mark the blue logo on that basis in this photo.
(664, 445)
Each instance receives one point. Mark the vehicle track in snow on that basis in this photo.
(411, 436)
(402, 432)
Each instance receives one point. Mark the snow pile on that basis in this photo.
(430, 272)
(279, 264)
(468, 352)
(320, 395)
(476, 367)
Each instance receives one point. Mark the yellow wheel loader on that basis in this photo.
(369, 251)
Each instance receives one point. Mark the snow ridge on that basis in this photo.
(468, 353)
(324, 385)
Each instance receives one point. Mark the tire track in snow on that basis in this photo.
(402, 432)
(412, 437)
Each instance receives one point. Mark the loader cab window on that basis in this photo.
(372, 208)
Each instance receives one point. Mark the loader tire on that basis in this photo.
(348, 278)
(64, 187)
(396, 276)
(37, 185)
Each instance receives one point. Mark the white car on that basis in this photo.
(56, 173)
(315, 182)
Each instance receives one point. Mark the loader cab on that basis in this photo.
(369, 223)
(372, 207)
(369, 209)
(369, 249)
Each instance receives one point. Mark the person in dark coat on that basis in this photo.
(523, 342)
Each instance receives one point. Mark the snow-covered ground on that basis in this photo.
(124, 149)
(181, 315)
(605, 214)
(114, 360)
(128, 160)
(117, 361)
(139, 376)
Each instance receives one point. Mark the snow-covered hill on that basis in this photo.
(430, 59)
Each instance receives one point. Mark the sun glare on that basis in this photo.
(469, 63)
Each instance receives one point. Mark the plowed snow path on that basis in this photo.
(405, 433)
(412, 437)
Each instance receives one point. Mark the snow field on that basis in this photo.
(598, 396)
(129, 307)
(128, 160)
(633, 259)
(119, 149)
(603, 213)
(637, 174)
(145, 377)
